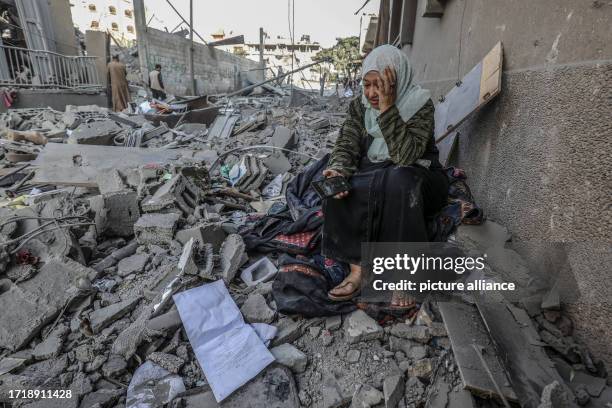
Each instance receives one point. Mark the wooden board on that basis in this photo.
(465, 329)
(528, 366)
(476, 89)
(78, 165)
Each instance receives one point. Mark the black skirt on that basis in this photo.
(387, 203)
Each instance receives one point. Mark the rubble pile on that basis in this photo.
(89, 267)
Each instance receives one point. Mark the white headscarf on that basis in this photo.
(409, 97)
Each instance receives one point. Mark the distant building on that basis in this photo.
(277, 54)
(114, 16)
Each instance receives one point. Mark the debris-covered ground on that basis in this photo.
(104, 217)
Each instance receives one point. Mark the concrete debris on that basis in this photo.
(231, 253)
(132, 211)
(103, 317)
(261, 271)
(366, 396)
(256, 310)
(204, 234)
(132, 264)
(393, 390)
(156, 228)
(361, 327)
(290, 356)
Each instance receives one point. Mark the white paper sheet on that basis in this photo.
(229, 351)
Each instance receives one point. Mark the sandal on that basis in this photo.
(348, 296)
(398, 296)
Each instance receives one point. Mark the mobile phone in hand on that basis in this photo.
(331, 186)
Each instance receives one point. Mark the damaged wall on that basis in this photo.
(215, 71)
(536, 158)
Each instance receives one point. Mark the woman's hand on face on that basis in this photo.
(385, 88)
(328, 173)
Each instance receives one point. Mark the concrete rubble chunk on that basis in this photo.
(283, 137)
(421, 369)
(101, 318)
(352, 356)
(231, 254)
(288, 331)
(205, 234)
(177, 193)
(36, 302)
(114, 367)
(167, 361)
(489, 234)
(110, 181)
(260, 271)
(156, 228)
(393, 390)
(52, 345)
(421, 334)
(103, 398)
(95, 133)
(366, 396)
(256, 310)
(333, 322)
(132, 264)
(186, 263)
(121, 212)
(361, 327)
(290, 356)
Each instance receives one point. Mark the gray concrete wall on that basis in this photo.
(63, 27)
(215, 71)
(97, 44)
(538, 157)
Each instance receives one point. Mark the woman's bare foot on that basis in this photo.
(349, 286)
(401, 299)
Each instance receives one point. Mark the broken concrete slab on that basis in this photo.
(132, 264)
(205, 234)
(483, 236)
(52, 345)
(95, 133)
(156, 228)
(256, 310)
(283, 137)
(114, 366)
(167, 361)
(288, 331)
(102, 398)
(366, 396)
(393, 390)
(361, 327)
(121, 213)
(421, 334)
(231, 254)
(110, 181)
(101, 318)
(289, 356)
(333, 322)
(32, 304)
(178, 193)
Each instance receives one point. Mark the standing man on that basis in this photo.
(156, 84)
(119, 84)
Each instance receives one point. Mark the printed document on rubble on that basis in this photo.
(229, 351)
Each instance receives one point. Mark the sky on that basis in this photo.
(324, 20)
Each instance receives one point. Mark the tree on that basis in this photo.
(344, 56)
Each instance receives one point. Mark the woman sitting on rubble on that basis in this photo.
(387, 152)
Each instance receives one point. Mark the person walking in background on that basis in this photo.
(119, 84)
(156, 83)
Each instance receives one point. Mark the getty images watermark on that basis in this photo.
(424, 268)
